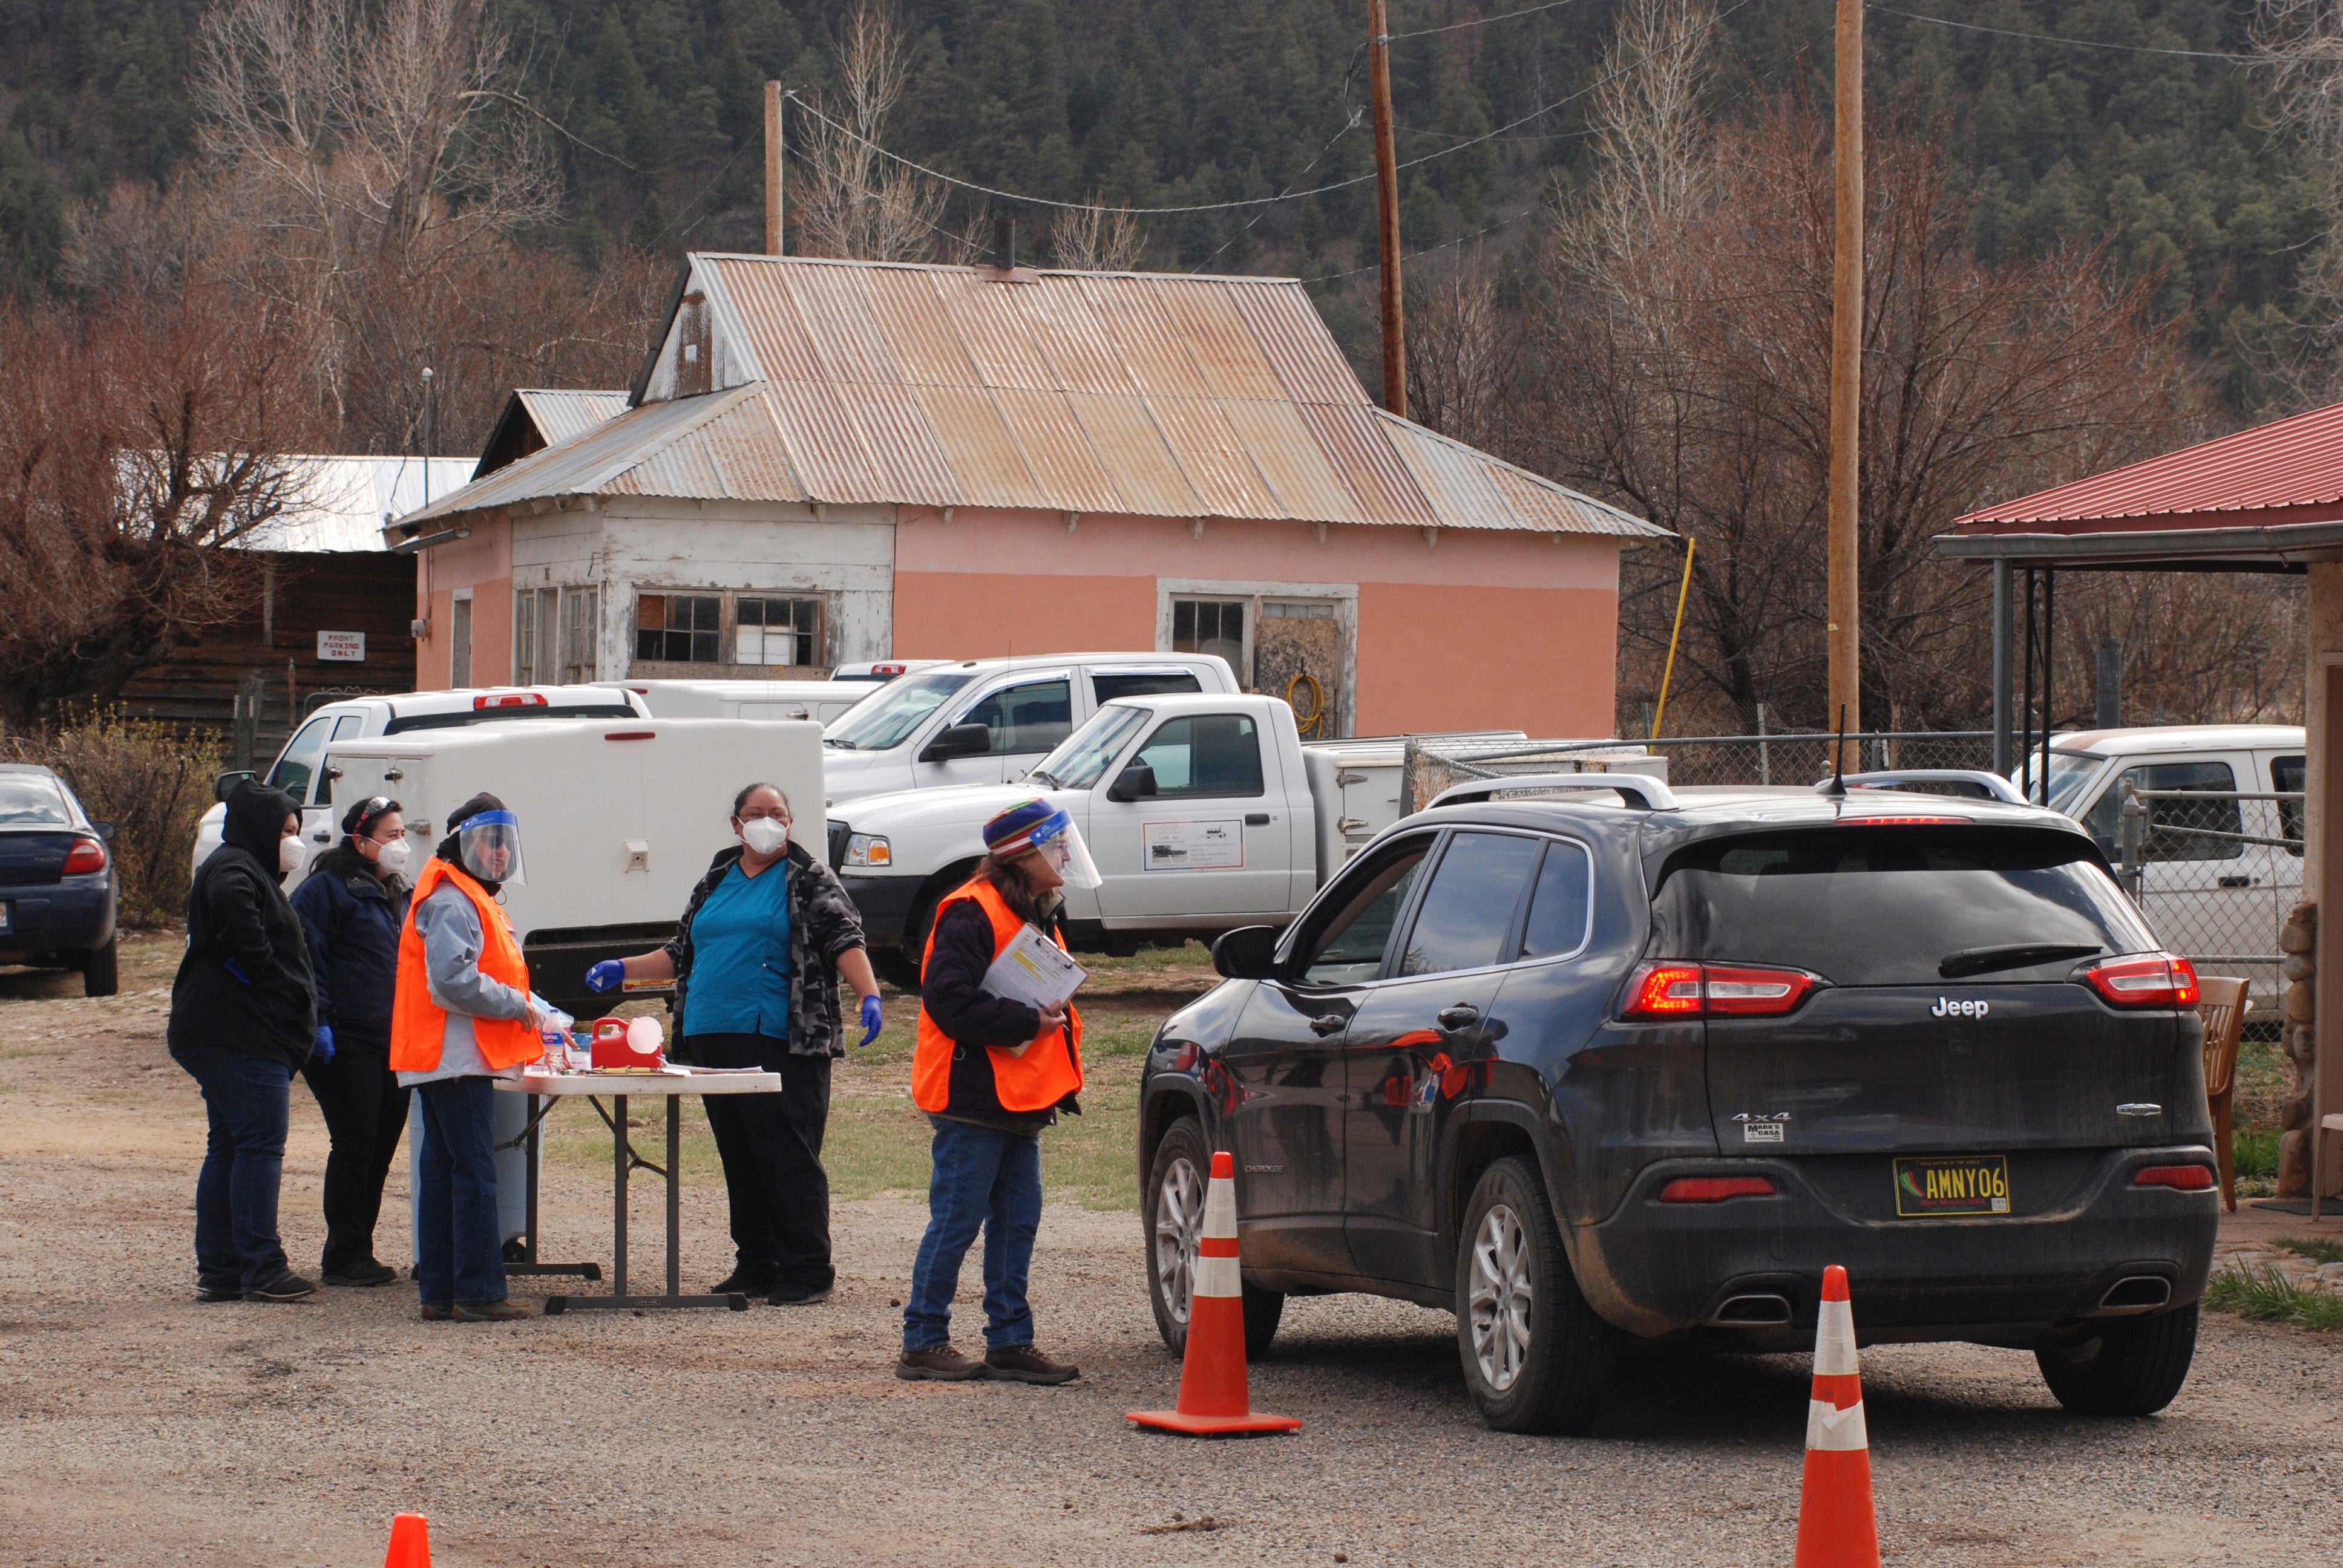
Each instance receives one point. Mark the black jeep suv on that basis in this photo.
(1580, 1072)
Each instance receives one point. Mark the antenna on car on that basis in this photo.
(1836, 786)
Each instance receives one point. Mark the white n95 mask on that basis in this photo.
(766, 835)
(290, 856)
(392, 857)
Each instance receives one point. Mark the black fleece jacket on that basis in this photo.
(352, 919)
(951, 993)
(237, 915)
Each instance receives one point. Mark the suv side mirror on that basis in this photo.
(224, 785)
(1131, 783)
(1248, 952)
(959, 740)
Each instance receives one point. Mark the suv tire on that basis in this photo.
(1173, 1216)
(1536, 1357)
(2133, 1366)
(101, 970)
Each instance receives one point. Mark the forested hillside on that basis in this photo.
(652, 106)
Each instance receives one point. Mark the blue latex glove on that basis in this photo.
(324, 1050)
(237, 970)
(607, 975)
(872, 1021)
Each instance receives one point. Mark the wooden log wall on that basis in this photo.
(372, 593)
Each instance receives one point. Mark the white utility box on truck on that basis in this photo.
(618, 818)
(820, 700)
(1205, 811)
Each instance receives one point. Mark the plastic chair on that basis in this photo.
(2223, 1004)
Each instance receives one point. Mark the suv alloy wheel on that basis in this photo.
(1174, 1218)
(1536, 1358)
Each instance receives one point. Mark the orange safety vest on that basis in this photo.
(417, 1024)
(1049, 1071)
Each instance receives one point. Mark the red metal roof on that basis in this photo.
(2291, 463)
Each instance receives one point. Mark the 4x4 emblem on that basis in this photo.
(1761, 1127)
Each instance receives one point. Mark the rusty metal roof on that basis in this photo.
(1148, 394)
(559, 415)
(2289, 464)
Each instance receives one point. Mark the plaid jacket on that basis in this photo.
(824, 926)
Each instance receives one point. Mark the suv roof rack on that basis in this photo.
(1994, 785)
(1655, 795)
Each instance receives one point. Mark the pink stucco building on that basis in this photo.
(829, 461)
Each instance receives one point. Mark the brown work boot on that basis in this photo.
(1024, 1363)
(438, 1312)
(937, 1363)
(498, 1311)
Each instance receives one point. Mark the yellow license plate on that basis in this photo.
(1967, 1184)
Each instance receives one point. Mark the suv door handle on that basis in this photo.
(2236, 882)
(1328, 1023)
(1457, 1017)
(1256, 819)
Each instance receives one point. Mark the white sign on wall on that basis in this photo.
(345, 647)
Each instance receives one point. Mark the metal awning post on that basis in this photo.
(2002, 758)
(2025, 703)
(2049, 664)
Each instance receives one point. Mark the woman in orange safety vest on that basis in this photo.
(463, 1016)
(991, 1073)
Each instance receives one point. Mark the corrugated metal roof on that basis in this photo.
(339, 504)
(1153, 395)
(2296, 462)
(559, 415)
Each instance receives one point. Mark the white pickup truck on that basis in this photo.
(986, 720)
(1203, 811)
(2218, 874)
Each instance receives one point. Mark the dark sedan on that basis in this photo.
(1587, 1074)
(56, 879)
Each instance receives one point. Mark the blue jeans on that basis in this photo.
(988, 1178)
(459, 1253)
(245, 1099)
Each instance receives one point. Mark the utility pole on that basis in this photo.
(772, 169)
(1844, 607)
(1387, 209)
(430, 433)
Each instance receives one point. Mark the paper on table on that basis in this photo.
(1034, 971)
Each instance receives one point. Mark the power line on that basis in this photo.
(1477, 21)
(1711, 25)
(1430, 249)
(2073, 43)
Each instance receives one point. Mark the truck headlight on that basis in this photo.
(868, 850)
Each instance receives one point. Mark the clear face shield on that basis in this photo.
(1059, 843)
(489, 846)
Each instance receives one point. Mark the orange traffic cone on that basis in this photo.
(1213, 1399)
(1837, 1526)
(410, 1542)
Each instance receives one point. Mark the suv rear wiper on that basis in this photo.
(2022, 955)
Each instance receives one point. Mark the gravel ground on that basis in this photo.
(151, 1429)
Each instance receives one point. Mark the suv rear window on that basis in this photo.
(1887, 906)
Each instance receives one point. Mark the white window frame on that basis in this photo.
(460, 632)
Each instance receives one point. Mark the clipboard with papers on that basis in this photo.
(1035, 970)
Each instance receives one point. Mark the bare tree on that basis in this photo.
(1087, 239)
(139, 439)
(1649, 136)
(855, 201)
(2300, 352)
(1686, 373)
(1464, 355)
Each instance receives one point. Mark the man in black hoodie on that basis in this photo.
(243, 1019)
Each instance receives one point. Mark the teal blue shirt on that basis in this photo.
(740, 956)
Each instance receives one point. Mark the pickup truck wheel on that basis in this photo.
(1174, 1220)
(1536, 1357)
(2133, 1366)
(101, 970)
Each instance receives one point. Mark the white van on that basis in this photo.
(298, 770)
(2219, 875)
(819, 700)
(619, 820)
(986, 720)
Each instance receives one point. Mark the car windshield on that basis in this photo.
(1077, 764)
(886, 719)
(1896, 906)
(2069, 771)
(31, 801)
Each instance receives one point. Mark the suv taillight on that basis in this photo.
(86, 855)
(1714, 1189)
(2159, 979)
(1691, 990)
(2181, 1178)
